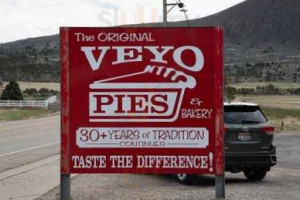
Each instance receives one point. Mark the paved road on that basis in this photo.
(26, 141)
(281, 183)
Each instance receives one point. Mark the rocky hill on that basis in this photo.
(256, 31)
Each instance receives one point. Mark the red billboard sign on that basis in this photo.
(142, 100)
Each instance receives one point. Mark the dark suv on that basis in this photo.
(248, 142)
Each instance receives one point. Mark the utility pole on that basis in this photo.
(165, 14)
(166, 11)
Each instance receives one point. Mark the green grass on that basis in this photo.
(281, 113)
(274, 101)
(289, 118)
(18, 114)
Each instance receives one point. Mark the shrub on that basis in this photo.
(30, 91)
(43, 92)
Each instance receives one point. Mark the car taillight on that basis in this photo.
(269, 130)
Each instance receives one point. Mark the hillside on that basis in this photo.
(257, 23)
(256, 31)
(39, 44)
(260, 23)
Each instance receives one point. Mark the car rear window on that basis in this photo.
(243, 115)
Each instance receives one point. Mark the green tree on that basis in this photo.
(1, 84)
(271, 89)
(12, 92)
(229, 91)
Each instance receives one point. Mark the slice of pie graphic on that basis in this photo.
(152, 95)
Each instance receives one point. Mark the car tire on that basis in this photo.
(255, 174)
(185, 179)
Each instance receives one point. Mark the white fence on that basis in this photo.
(28, 103)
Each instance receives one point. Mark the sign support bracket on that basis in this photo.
(220, 186)
(65, 187)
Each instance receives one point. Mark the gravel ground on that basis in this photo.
(282, 182)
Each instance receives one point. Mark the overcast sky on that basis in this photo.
(20, 19)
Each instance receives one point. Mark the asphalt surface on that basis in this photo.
(281, 183)
(35, 141)
(27, 141)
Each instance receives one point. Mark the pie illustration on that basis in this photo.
(157, 91)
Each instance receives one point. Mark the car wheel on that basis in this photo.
(255, 175)
(186, 179)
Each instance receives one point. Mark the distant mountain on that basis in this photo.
(255, 31)
(259, 23)
(33, 59)
(38, 43)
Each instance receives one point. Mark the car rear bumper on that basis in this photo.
(242, 160)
